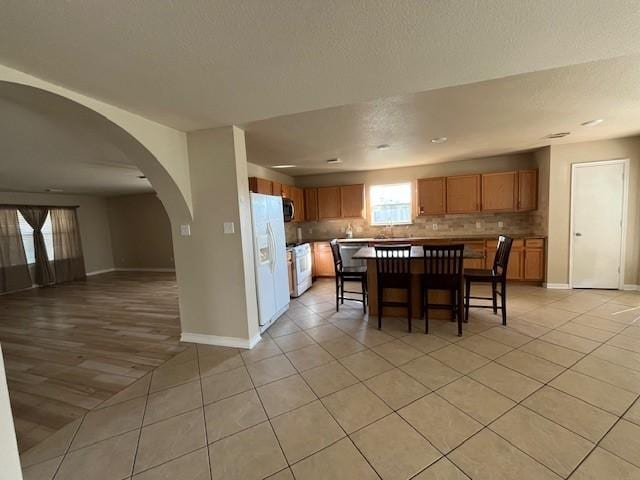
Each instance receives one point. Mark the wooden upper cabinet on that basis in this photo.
(463, 194)
(432, 196)
(260, 185)
(297, 196)
(311, 204)
(527, 190)
(499, 192)
(329, 203)
(352, 201)
(276, 188)
(286, 190)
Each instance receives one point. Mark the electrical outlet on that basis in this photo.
(478, 225)
(229, 227)
(500, 224)
(185, 230)
(434, 226)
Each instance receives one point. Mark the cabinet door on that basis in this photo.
(432, 196)
(533, 264)
(463, 194)
(276, 188)
(311, 204)
(286, 191)
(328, 202)
(323, 260)
(527, 190)
(352, 201)
(474, 262)
(499, 192)
(516, 260)
(297, 195)
(260, 185)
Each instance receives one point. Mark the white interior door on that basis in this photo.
(598, 203)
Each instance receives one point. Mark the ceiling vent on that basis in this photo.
(558, 135)
(334, 160)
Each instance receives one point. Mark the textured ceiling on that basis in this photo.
(49, 142)
(203, 63)
(482, 119)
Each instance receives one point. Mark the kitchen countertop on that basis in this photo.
(485, 236)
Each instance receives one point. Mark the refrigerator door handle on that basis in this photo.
(272, 248)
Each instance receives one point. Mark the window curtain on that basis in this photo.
(68, 258)
(14, 271)
(35, 217)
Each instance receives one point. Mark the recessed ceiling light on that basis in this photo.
(439, 140)
(384, 146)
(592, 123)
(283, 166)
(53, 190)
(142, 176)
(334, 160)
(558, 135)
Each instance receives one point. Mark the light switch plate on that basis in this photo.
(185, 230)
(478, 225)
(434, 226)
(229, 227)
(500, 224)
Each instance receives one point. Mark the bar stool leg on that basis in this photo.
(425, 303)
(504, 302)
(409, 305)
(342, 296)
(337, 293)
(468, 299)
(379, 306)
(460, 303)
(494, 296)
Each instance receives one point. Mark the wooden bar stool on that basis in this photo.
(443, 271)
(356, 274)
(496, 276)
(393, 270)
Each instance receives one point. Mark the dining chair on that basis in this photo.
(356, 274)
(393, 270)
(443, 270)
(497, 275)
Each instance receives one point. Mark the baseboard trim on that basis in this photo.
(557, 286)
(168, 270)
(631, 287)
(220, 341)
(100, 272)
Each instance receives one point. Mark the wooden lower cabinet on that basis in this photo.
(526, 261)
(323, 260)
(534, 259)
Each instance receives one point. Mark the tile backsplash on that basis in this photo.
(446, 226)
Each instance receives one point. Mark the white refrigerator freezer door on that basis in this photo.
(280, 271)
(263, 258)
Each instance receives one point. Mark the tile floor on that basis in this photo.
(326, 395)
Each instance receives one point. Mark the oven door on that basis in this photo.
(303, 263)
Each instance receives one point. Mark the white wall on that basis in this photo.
(9, 458)
(92, 217)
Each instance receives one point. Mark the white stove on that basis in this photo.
(302, 269)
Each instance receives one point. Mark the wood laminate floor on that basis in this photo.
(70, 347)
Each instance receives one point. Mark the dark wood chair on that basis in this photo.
(443, 270)
(497, 275)
(346, 274)
(393, 270)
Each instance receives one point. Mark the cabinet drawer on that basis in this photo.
(534, 243)
(518, 243)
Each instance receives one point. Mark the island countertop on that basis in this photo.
(417, 252)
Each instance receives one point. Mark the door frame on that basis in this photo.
(625, 201)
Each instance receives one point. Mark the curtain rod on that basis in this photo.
(10, 205)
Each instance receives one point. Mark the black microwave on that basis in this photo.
(288, 209)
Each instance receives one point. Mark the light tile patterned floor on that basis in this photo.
(326, 395)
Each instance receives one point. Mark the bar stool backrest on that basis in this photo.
(444, 261)
(501, 260)
(393, 259)
(337, 257)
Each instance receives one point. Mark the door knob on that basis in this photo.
(578, 234)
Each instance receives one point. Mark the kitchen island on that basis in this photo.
(417, 268)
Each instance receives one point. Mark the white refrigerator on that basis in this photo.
(270, 252)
